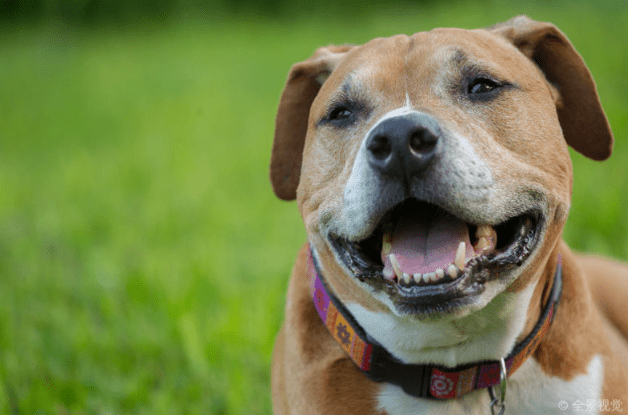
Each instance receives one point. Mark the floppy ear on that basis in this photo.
(304, 81)
(580, 113)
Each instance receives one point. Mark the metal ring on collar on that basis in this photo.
(499, 402)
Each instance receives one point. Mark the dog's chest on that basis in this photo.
(530, 391)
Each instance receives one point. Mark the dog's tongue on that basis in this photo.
(424, 242)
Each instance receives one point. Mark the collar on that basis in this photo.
(422, 381)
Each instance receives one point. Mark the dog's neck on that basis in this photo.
(421, 380)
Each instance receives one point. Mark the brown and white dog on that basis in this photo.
(433, 178)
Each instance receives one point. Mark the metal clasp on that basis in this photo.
(498, 402)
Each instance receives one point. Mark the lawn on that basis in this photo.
(143, 257)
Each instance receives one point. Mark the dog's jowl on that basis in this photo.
(433, 176)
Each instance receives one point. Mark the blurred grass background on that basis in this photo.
(143, 256)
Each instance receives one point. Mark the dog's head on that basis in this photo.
(432, 170)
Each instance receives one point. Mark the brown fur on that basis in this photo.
(294, 108)
(311, 373)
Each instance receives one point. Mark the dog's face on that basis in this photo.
(433, 170)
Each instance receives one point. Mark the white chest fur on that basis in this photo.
(530, 391)
(487, 334)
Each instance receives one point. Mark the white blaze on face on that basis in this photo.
(365, 186)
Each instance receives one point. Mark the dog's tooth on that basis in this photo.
(406, 278)
(387, 243)
(484, 230)
(389, 273)
(395, 265)
(417, 277)
(487, 239)
(440, 273)
(482, 245)
(460, 255)
(431, 276)
(426, 278)
(452, 271)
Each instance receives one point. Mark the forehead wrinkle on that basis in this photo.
(425, 61)
(407, 66)
(466, 64)
(459, 57)
(348, 89)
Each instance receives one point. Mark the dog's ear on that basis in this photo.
(304, 81)
(580, 113)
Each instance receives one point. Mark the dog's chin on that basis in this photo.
(492, 253)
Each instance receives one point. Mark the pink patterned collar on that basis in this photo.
(423, 381)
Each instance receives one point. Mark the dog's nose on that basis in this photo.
(401, 147)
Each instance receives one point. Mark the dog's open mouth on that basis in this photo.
(428, 259)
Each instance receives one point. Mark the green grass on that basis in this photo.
(143, 256)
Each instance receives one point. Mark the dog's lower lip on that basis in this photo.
(477, 271)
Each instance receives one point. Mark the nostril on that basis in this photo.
(380, 147)
(422, 141)
(403, 146)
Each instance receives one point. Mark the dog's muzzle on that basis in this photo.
(424, 256)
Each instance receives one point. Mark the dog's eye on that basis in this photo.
(343, 114)
(339, 113)
(482, 86)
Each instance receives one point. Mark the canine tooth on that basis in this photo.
(482, 245)
(452, 271)
(484, 230)
(387, 243)
(417, 277)
(487, 238)
(440, 273)
(460, 255)
(395, 265)
(406, 278)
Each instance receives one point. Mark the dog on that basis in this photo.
(433, 177)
